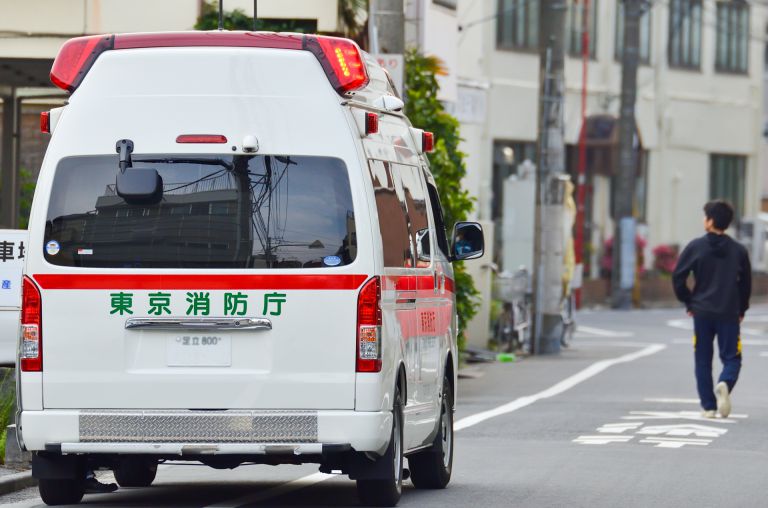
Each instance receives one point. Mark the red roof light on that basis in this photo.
(76, 58)
(342, 61)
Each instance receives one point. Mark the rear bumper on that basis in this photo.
(179, 432)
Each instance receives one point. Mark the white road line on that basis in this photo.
(764, 353)
(280, 490)
(687, 324)
(608, 343)
(564, 385)
(601, 332)
(744, 342)
(667, 400)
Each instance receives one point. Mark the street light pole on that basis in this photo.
(387, 26)
(624, 257)
(581, 182)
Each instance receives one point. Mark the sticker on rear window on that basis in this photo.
(331, 260)
(52, 248)
(85, 252)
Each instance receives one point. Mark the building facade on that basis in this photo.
(699, 108)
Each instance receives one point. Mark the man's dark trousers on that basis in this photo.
(729, 344)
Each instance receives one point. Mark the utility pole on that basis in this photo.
(387, 27)
(548, 235)
(624, 258)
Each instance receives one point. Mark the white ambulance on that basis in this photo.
(236, 254)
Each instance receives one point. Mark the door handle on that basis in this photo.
(199, 323)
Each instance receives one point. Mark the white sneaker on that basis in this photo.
(723, 399)
(709, 414)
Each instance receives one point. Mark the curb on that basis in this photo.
(16, 481)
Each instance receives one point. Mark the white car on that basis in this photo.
(236, 254)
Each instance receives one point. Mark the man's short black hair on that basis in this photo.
(721, 213)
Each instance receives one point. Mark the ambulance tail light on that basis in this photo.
(371, 123)
(76, 58)
(45, 122)
(427, 142)
(369, 327)
(31, 354)
(341, 60)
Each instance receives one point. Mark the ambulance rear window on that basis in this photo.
(230, 211)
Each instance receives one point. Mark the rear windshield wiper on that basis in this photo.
(188, 160)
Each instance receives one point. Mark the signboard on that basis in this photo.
(395, 66)
(13, 252)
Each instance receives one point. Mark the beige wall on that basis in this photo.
(38, 28)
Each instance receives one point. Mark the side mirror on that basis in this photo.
(468, 241)
(139, 185)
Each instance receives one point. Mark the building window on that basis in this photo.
(645, 34)
(727, 174)
(518, 24)
(732, 37)
(576, 26)
(685, 34)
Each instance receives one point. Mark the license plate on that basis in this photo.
(199, 350)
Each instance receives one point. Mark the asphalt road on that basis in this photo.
(613, 421)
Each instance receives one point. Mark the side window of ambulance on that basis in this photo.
(393, 219)
(437, 213)
(416, 207)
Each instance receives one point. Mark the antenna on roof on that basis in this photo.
(221, 14)
(255, 13)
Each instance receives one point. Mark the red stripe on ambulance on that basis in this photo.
(200, 282)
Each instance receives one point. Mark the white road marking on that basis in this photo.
(763, 353)
(609, 343)
(564, 385)
(601, 332)
(602, 440)
(744, 342)
(687, 324)
(280, 490)
(618, 428)
(679, 415)
(667, 400)
(678, 442)
(683, 430)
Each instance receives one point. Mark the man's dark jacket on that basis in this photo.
(722, 278)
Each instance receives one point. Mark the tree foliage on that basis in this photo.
(239, 20)
(446, 161)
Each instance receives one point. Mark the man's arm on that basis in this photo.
(680, 276)
(745, 282)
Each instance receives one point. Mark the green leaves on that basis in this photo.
(446, 162)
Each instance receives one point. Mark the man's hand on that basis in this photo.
(690, 314)
(741, 318)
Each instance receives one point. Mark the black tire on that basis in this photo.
(387, 492)
(58, 492)
(431, 468)
(135, 472)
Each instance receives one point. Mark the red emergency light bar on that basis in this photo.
(341, 59)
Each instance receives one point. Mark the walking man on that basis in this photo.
(722, 286)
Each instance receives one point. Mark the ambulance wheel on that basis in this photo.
(386, 492)
(431, 468)
(135, 472)
(58, 492)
